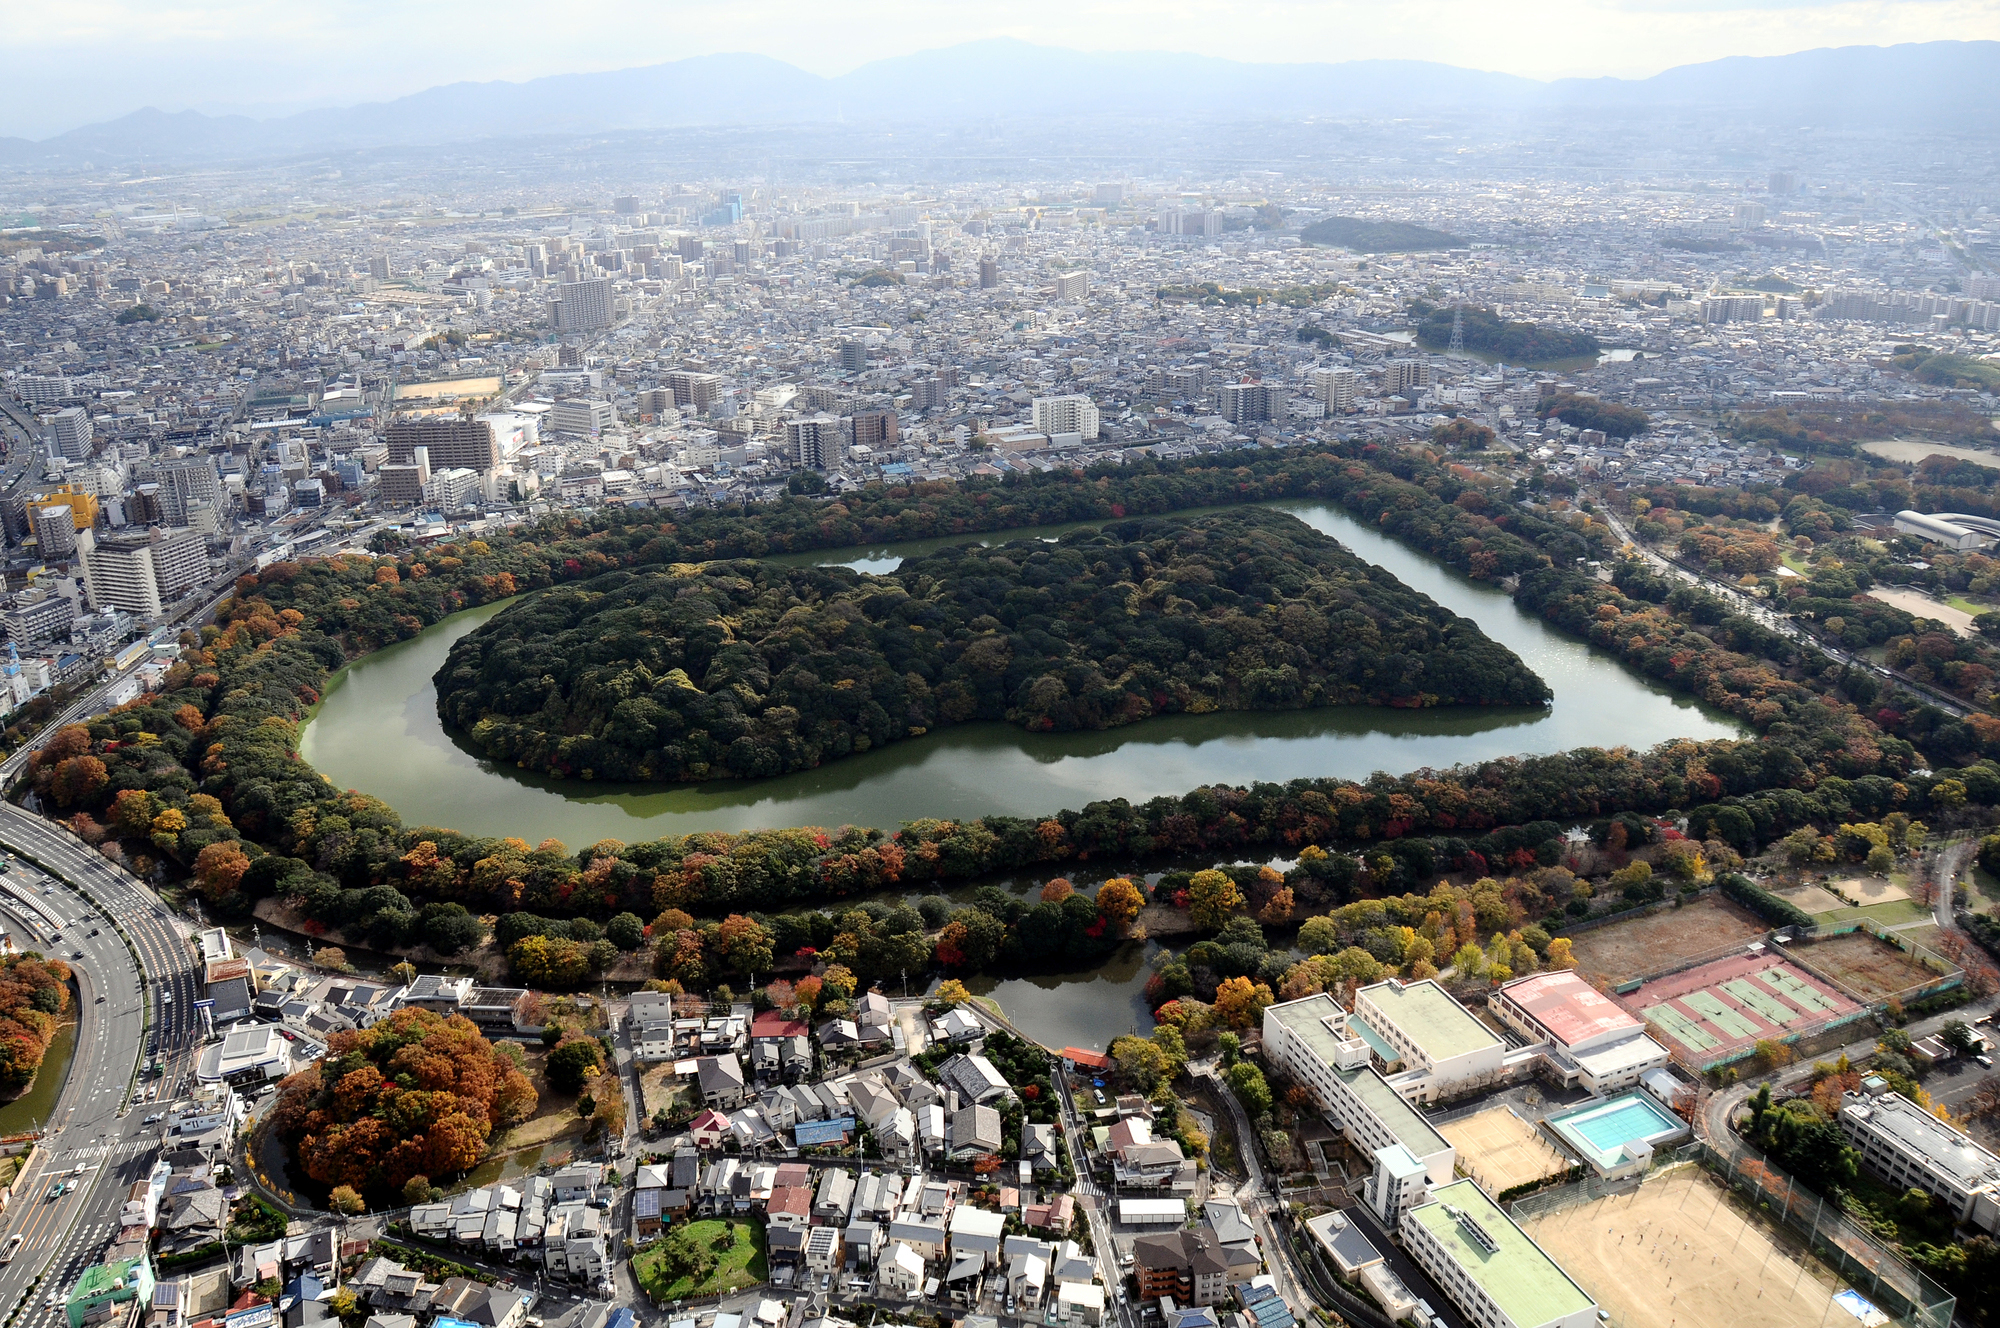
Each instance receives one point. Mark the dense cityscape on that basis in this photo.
(1510, 609)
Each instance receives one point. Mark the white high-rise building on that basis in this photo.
(1071, 414)
(811, 440)
(69, 433)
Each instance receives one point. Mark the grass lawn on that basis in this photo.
(1894, 913)
(1964, 605)
(1982, 890)
(740, 1265)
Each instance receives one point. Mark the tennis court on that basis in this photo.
(1760, 1001)
(1718, 1009)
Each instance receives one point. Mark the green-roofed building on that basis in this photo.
(1442, 1048)
(1491, 1269)
(104, 1293)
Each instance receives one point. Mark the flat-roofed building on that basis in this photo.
(1435, 1046)
(1491, 1269)
(1309, 1041)
(1909, 1148)
(1592, 1039)
(449, 442)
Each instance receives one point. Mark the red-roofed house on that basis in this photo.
(776, 1024)
(1076, 1058)
(789, 1206)
(709, 1129)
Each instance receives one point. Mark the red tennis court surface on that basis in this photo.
(1711, 1012)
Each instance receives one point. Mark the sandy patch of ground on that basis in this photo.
(1865, 890)
(1678, 1249)
(1912, 450)
(1811, 898)
(1923, 606)
(1500, 1150)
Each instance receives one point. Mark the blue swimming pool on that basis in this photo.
(1600, 1130)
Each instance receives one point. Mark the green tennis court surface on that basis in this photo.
(1681, 1028)
(1763, 1002)
(1802, 994)
(1725, 1017)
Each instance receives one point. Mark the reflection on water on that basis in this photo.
(1084, 1009)
(32, 1108)
(378, 731)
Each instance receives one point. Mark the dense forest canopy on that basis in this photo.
(34, 1002)
(1516, 343)
(748, 669)
(418, 1094)
(1377, 237)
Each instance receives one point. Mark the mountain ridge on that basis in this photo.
(1007, 79)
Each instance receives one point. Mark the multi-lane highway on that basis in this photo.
(137, 1004)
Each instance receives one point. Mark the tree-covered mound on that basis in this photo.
(744, 669)
(1377, 237)
(1489, 334)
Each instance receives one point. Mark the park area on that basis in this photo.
(1501, 1151)
(1627, 950)
(1872, 969)
(1887, 903)
(1681, 1248)
(713, 1257)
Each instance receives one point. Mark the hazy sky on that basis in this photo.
(80, 61)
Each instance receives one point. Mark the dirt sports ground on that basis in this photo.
(1873, 970)
(1627, 950)
(1500, 1150)
(1680, 1252)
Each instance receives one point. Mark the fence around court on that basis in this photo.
(1946, 974)
(1870, 1265)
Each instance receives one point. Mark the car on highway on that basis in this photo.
(155, 1118)
(55, 1192)
(77, 955)
(13, 1247)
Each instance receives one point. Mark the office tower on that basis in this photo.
(1072, 285)
(700, 390)
(141, 573)
(625, 205)
(1334, 388)
(1784, 182)
(812, 440)
(690, 248)
(378, 267)
(1110, 194)
(582, 306)
(875, 428)
(69, 433)
(744, 251)
(55, 529)
(1749, 216)
(451, 443)
(657, 401)
(853, 357)
(1249, 403)
(989, 273)
(1071, 414)
(184, 482)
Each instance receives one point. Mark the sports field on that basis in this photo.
(1680, 1252)
(1716, 1009)
(1627, 950)
(1873, 970)
(1500, 1150)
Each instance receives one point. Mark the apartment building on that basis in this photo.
(1075, 414)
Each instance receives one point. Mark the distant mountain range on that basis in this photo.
(1933, 85)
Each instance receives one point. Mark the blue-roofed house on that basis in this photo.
(826, 1133)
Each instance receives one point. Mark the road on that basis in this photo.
(94, 1123)
(1252, 1196)
(1762, 613)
